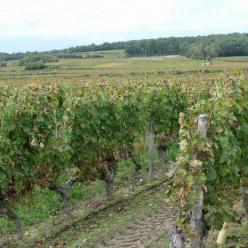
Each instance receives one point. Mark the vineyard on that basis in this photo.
(178, 145)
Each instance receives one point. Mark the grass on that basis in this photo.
(239, 235)
(45, 203)
(83, 217)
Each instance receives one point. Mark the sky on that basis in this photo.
(39, 25)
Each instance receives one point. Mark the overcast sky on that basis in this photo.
(28, 25)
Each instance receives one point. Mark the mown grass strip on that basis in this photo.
(48, 230)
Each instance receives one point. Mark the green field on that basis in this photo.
(116, 67)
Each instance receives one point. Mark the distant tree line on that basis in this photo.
(93, 47)
(37, 61)
(72, 55)
(11, 56)
(199, 47)
(38, 58)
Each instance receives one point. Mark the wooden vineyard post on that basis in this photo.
(223, 234)
(177, 239)
(151, 150)
(245, 200)
(161, 149)
(196, 224)
(144, 139)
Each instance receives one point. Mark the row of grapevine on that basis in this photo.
(47, 129)
(212, 168)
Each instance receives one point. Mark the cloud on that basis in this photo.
(58, 18)
(85, 21)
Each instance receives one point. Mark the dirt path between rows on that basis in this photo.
(144, 221)
(146, 231)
